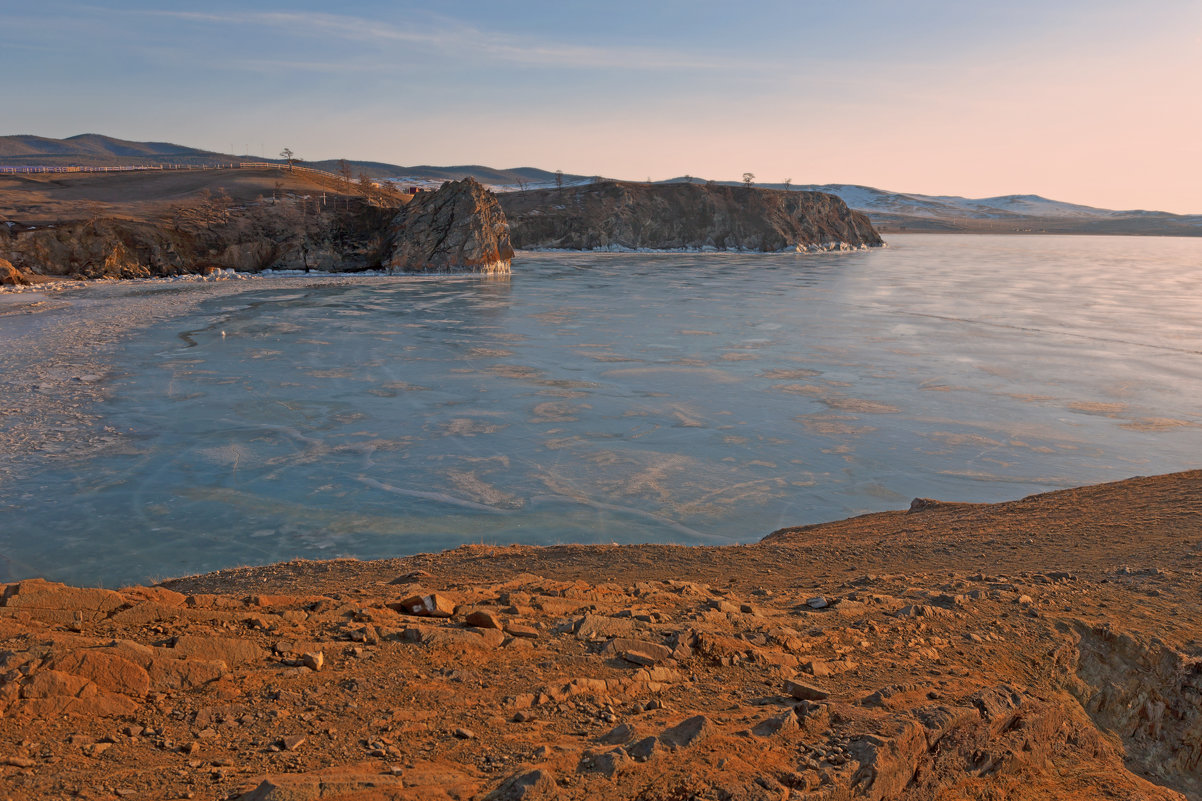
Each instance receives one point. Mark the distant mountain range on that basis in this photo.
(889, 211)
(96, 150)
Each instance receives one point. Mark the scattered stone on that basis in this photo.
(483, 619)
(96, 749)
(108, 671)
(648, 650)
(314, 660)
(644, 749)
(777, 724)
(923, 504)
(292, 742)
(409, 578)
(639, 658)
(817, 602)
(687, 732)
(805, 692)
(521, 630)
(607, 763)
(535, 785)
(464, 734)
(230, 650)
(622, 733)
(427, 605)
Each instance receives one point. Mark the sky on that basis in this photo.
(1088, 101)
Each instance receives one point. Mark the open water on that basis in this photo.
(700, 399)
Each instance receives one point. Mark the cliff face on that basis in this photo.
(459, 228)
(287, 235)
(619, 216)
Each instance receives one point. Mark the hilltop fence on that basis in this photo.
(162, 167)
(128, 168)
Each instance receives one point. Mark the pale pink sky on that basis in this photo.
(1087, 101)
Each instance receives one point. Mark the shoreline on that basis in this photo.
(881, 656)
(59, 342)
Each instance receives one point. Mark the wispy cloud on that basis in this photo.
(450, 37)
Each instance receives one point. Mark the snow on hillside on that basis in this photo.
(878, 201)
(429, 184)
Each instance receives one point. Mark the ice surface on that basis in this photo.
(624, 397)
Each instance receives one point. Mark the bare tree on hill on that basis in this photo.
(748, 177)
(788, 184)
(287, 155)
(559, 179)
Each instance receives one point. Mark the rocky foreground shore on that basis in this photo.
(1043, 648)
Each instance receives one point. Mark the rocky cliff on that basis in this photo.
(459, 228)
(290, 234)
(614, 215)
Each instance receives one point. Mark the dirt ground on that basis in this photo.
(1047, 647)
(49, 198)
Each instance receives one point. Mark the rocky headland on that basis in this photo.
(301, 225)
(151, 225)
(1044, 648)
(613, 215)
(459, 227)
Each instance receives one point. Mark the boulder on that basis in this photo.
(9, 276)
(531, 786)
(232, 651)
(426, 605)
(651, 652)
(483, 619)
(459, 228)
(107, 671)
(41, 594)
(806, 692)
(687, 732)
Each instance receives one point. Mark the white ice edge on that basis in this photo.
(824, 247)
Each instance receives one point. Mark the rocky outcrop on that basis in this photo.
(290, 234)
(754, 672)
(459, 228)
(614, 215)
(102, 248)
(393, 692)
(9, 276)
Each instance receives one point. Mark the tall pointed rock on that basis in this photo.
(459, 228)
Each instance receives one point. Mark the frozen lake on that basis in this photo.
(683, 398)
